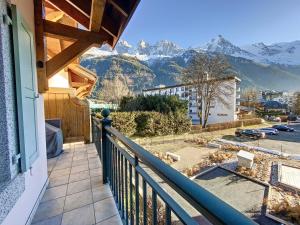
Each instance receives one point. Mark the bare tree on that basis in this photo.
(113, 90)
(250, 96)
(296, 103)
(207, 74)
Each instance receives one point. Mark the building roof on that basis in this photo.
(104, 17)
(274, 105)
(71, 27)
(188, 84)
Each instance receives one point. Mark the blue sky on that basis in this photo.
(194, 22)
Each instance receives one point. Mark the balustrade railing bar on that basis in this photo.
(137, 194)
(145, 201)
(118, 163)
(122, 186)
(126, 192)
(131, 195)
(154, 207)
(168, 215)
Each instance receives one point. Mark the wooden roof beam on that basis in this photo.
(78, 84)
(83, 5)
(41, 49)
(59, 61)
(71, 11)
(61, 31)
(97, 12)
(110, 27)
(55, 16)
(119, 8)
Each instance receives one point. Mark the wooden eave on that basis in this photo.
(95, 22)
(83, 80)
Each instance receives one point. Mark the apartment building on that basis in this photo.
(219, 112)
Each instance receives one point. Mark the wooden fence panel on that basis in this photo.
(74, 114)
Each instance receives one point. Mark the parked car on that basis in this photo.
(284, 128)
(269, 131)
(251, 133)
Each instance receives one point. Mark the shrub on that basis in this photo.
(285, 209)
(219, 156)
(149, 123)
(157, 103)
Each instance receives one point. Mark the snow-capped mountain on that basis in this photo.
(279, 53)
(124, 47)
(223, 46)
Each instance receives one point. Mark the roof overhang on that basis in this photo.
(65, 29)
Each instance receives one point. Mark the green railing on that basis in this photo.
(131, 170)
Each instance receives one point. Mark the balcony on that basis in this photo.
(128, 186)
(76, 194)
(148, 191)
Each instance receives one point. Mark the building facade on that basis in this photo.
(219, 112)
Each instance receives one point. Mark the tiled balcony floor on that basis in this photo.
(76, 195)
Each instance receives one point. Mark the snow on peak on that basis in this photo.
(124, 43)
(223, 46)
(279, 53)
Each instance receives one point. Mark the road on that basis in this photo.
(287, 142)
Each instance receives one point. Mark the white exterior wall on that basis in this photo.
(60, 80)
(224, 113)
(36, 178)
(219, 113)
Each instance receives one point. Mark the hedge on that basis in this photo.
(149, 123)
(228, 125)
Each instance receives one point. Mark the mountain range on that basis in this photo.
(146, 65)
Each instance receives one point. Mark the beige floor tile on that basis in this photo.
(105, 209)
(115, 220)
(55, 192)
(60, 172)
(102, 192)
(79, 186)
(96, 181)
(96, 172)
(49, 209)
(56, 220)
(57, 181)
(78, 200)
(76, 169)
(80, 216)
(79, 176)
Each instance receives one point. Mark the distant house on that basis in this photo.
(274, 106)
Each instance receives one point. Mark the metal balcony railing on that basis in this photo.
(126, 168)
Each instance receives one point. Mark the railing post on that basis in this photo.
(93, 127)
(105, 144)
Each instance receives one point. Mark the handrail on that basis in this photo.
(210, 206)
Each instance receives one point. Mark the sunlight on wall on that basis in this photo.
(59, 80)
